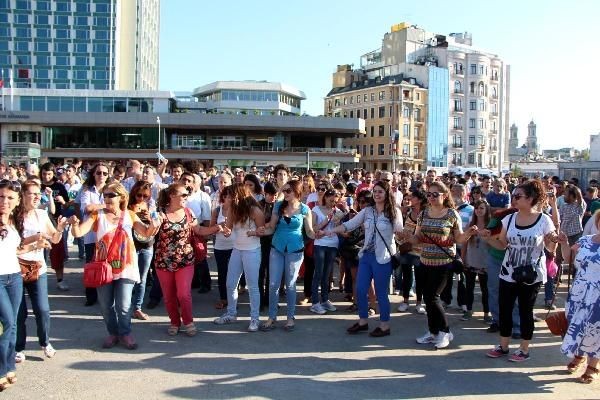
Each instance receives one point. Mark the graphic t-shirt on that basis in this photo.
(525, 246)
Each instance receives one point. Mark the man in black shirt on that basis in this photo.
(61, 198)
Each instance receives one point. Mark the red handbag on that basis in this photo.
(98, 273)
(197, 242)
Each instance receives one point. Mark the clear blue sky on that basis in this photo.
(553, 48)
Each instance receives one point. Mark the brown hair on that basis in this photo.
(139, 186)
(296, 186)
(242, 202)
(534, 190)
(389, 207)
(448, 202)
(164, 197)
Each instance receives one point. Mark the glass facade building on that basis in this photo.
(437, 109)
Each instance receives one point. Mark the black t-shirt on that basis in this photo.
(58, 189)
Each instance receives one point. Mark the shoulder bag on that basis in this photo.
(30, 270)
(99, 272)
(525, 274)
(557, 321)
(395, 258)
(457, 266)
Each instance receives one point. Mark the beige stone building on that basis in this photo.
(395, 112)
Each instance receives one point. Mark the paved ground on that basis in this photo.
(317, 360)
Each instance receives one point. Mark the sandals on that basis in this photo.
(11, 377)
(221, 304)
(575, 364)
(190, 329)
(4, 384)
(173, 330)
(268, 325)
(289, 327)
(590, 375)
(139, 314)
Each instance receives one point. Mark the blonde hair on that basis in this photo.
(119, 189)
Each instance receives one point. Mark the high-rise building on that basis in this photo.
(80, 44)
(471, 130)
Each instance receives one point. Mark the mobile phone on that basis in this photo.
(154, 215)
(550, 193)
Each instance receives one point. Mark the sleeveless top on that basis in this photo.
(173, 248)
(241, 240)
(8, 250)
(32, 224)
(222, 242)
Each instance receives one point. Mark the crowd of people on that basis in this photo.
(269, 228)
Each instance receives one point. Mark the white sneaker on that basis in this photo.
(49, 351)
(253, 327)
(225, 319)
(443, 340)
(328, 306)
(396, 292)
(62, 285)
(317, 308)
(426, 338)
(403, 307)
(421, 309)
(20, 357)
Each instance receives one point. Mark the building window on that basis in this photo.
(42, 60)
(372, 96)
(21, 46)
(416, 133)
(473, 105)
(61, 20)
(365, 97)
(42, 33)
(471, 158)
(351, 99)
(416, 151)
(23, 5)
(494, 92)
(81, 48)
(82, 7)
(481, 69)
(351, 114)
(101, 35)
(457, 123)
(23, 32)
(63, 34)
(41, 20)
(23, 60)
(406, 112)
(21, 19)
(372, 112)
(482, 105)
(405, 149)
(358, 99)
(381, 130)
(473, 70)
(481, 89)
(41, 47)
(406, 130)
(81, 21)
(381, 112)
(472, 123)
(62, 61)
(42, 74)
(82, 34)
(101, 62)
(372, 131)
(62, 6)
(371, 149)
(345, 101)
(457, 87)
(481, 123)
(418, 96)
(43, 5)
(358, 149)
(80, 75)
(381, 149)
(471, 140)
(382, 95)
(364, 152)
(61, 74)
(358, 113)
(472, 86)
(458, 105)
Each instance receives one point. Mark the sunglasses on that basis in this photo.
(101, 173)
(322, 189)
(110, 195)
(15, 186)
(434, 195)
(287, 191)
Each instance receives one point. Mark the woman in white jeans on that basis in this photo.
(244, 217)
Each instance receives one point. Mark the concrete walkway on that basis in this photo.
(316, 361)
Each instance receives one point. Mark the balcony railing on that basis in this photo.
(494, 131)
(493, 148)
(459, 91)
(494, 78)
(494, 113)
(458, 109)
(457, 145)
(459, 72)
(457, 128)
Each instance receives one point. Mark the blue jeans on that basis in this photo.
(115, 304)
(139, 289)
(493, 284)
(38, 294)
(247, 261)
(278, 264)
(369, 269)
(324, 258)
(11, 293)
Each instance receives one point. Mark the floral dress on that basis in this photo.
(583, 303)
(173, 248)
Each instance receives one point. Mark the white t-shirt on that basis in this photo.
(525, 246)
(222, 242)
(241, 240)
(8, 251)
(326, 241)
(33, 224)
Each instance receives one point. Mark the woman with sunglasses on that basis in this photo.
(524, 234)
(381, 222)
(115, 223)
(139, 202)
(36, 222)
(11, 282)
(475, 195)
(174, 256)
(91, 202)
(244, 217)
(326, 216)
(439, 228)
(289, 218)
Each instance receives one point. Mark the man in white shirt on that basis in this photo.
(134, 174)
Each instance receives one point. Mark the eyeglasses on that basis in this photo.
(287, 191)
(434, 195)
(322, 189)
(101, 173)
(142, 196)
(110, 195)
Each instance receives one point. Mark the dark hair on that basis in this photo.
(328, 193)
(280, 166)
(367, 196)
(448, 201)
(419, 194)
(270, 188)
(254, 179)
(389, 207)
(296, 186)
(138, 187)
(164, 197)
(90, 182)
(339, 185)
(46, 167)
(534, 190)
(120, 168)
(488, 214)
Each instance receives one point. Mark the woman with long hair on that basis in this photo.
(223, 245)
(174, 258)
(139, 202)
(91, 202)
(266, 205)
(115, 223)
(525, 234)
(475, 254)
(309, 191)
(11, 282)
(289, 218)
(381, 222)
(439, 228)
(254, 187)
(36, 222)
(245, 217)
(417, 202)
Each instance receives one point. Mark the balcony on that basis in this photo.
(459, 91)
(493, 148)
(494, 113)
(494, 131)
(458, 110)
(457, 128)
(494, 78)
(457, 145)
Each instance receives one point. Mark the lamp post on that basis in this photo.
(158, 122)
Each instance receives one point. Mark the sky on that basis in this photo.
(553, 48)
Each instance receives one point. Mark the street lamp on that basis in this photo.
(161, 158)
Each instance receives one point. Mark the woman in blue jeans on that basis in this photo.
(139, 202)
(381, 221)
(11, 282)
(325, 217)
(36, 222)
(289, 217)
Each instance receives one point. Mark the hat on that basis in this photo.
(386, 176)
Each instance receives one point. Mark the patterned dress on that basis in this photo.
(173, 248)
(583, 303)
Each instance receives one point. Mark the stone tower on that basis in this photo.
(513, 141)
(531, 142)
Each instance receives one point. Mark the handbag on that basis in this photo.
(457, 265)
(395, 258)
(30, 270)
(99, 272)
(196, 241)
(557, 321)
